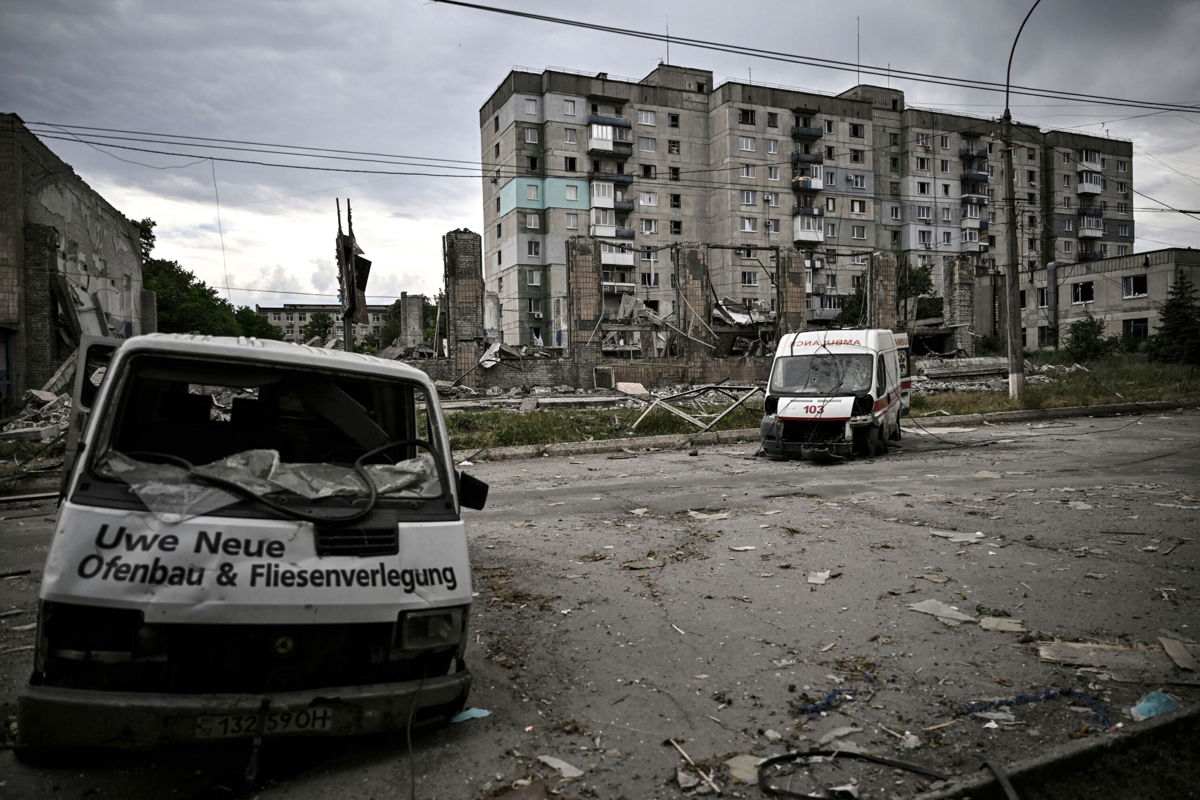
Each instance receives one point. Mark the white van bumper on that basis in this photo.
(57, 717)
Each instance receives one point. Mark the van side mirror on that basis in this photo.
(770, 405)
(472, 492)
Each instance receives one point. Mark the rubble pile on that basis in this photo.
(44, 418)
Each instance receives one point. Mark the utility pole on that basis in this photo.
(1012, 289)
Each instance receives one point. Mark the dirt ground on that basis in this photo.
(625, 602)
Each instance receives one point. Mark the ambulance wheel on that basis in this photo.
(881, 442)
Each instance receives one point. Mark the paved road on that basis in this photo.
(623, 601)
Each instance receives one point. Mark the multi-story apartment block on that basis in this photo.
(744, 168)
(291, 319)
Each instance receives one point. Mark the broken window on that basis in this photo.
(1083, 292)
(821, 374)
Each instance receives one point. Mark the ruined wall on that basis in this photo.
(463, 262)
(882, 288)
(958, 303)
(693, 300)
(585, 299)
(410, 310)
(790, 296)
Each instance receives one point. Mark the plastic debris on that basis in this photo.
(742, 548)
(639, 512)
(1152, 704)
(818, 577)
(470, 713)
(957, 537)
(941, 610)
(743, 768)
(838, 733)
(705, 516)
(1080, 505)
(564, 769)
(686, 780)
(1002, 624)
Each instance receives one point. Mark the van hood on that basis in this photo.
(824, 409)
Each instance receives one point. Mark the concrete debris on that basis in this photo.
(743, 768)
(1179, 653)
(957, 537)
(742, 548)
(1002, 624)
(44, 418)
(935, 577)
(818, 577)
(704, 516)
(686, 780)
(838, 733)
(649, 562)
(941, 610)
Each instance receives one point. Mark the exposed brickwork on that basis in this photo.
(883, 291)
(463, 257)
(958, 303)
(41, 353)
(692, 298)
(12, 221)
(586, 303)
(790, 295)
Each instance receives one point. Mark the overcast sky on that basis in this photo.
(406, 78)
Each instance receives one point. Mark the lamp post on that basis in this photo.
(1012, 289)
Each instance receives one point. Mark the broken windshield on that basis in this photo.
(191, 436)
(822, 374)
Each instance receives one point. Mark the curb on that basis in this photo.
(680, 441)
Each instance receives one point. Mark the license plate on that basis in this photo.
(224, 726)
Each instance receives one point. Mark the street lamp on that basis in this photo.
(1012, 291)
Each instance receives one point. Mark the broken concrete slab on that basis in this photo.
(1178, 652)
(1002, 624)
(941, 610)
(1125, 663)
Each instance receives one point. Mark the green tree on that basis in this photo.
(853, 311)
(146, 236)
(1177, 340)
(185, 303)
(251, 323)
(1086, 340)
(319, 324)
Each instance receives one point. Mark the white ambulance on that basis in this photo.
(834, 393)
(256, 539)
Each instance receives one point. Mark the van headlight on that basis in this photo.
(431, 630)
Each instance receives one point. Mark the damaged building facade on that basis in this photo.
(70, 264)
(646, 165)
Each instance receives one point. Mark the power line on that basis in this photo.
(827, 63)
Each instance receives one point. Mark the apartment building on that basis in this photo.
(746, 168)
(291, 319)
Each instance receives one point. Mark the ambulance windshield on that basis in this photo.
(822, 374)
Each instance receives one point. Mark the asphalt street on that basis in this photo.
(743, 606)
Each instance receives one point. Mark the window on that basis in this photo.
(922, 187)
(746, 143)
(602, 189)
(772, 226)
(747, 197)
(532, 221)
(572, 221)
(496, 150)
(499, 257)
(829, 153)
(673, 120)
(645, 117)
(749, 225)
(772, 145)
(676, 201)
(831, 278)
(925, 237)
(1121, 189)
(673, 147)
(946, 214)
(829, 126)
(673, 172)
(1082, 292)
(858, 206)
(650, 255)
(922, 162)
(894, 139)
(534, 249)
(1031, 177)
(531, 163)
(830, 230)
(945, 165)
(856, 130)
(649, 279)
(649, 226)
(772, 173)
(923, 140)
(648, 171)
(945, 143)
(497, 205)
(1123, 229)
(570, 135)
(772, 119)
(1122, 249)
(856, 156)
(858, 182)
(646, 144)
(744, 252)
(858, 231)
(1067, 247)
(925, 212)
(1122, 166)
(749, 277)
(498, 230)
(970, 211)
(1122, 208)
(857, 282)
(676, 227)
(1066, 181)
(531, 136)
(831, 204)
(945, 237)
(771, 198)
(945, 190)
(570, 164)
(533, 305)
(894, 164)
(531, 191)
(648, 198)
(830, 177)
(894, 213)
(569, 108)
(747, 171)
(602, 132)
(745, 116)
(496, 123)
(530, 106)
(1066, 202)
(603, 216)
(1135, 328)
(1133, 286)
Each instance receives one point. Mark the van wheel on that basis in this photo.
(878, 442)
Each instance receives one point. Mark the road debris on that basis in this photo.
(706, 776)
(705, 516)
(564, 769)
(838, 733)
(1152, 704)
(957, 537)
(1178, 653)
(743, 768)
(1002, 624)
(469, 714)
(742, 548)
(935, 577)
(941, 610)
(649, 562)
(818, 577)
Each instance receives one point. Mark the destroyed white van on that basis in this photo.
(833, 393)
(256, 539)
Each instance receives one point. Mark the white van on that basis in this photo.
(833, 393)
(256, 539)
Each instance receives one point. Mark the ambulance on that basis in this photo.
(835, 393)
(256, 539)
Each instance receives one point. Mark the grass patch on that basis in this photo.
(470, 430)
(1109, 381)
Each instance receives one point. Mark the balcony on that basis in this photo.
(808, 158)
(1086, 187)
(806, 234)
(975, 175)
(972, 223)
(612, 177)
(974, 247)
(1088, 256)
(615, 258)
(1088, 160)
(617, 287)
(607, 148)
(603, 230)
(808, 211)
(623, 205)
(624, 233)
(616, 122)
(973, 198)
(823, 314)
(1091, 212)
(802, 183)
(1089, 232)
(805, 134)
(973, 152)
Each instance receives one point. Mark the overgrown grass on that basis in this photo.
(475, 429)
(1110, 381)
